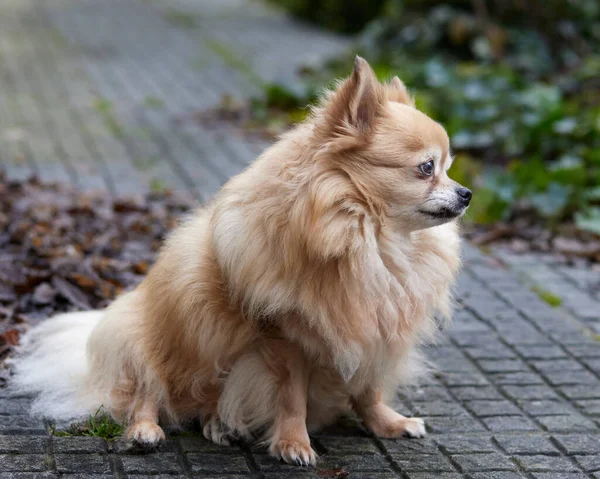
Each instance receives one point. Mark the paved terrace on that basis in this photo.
(89, 94)
(92, 91)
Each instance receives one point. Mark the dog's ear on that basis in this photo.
(368, 97)
(354, 106)
(396, 91)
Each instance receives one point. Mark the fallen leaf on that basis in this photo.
(141, 267)
(71, 292)
(128, 205)
(10, 337)
(44, 294)
(7, 293)
(6, 312)
(83, 281)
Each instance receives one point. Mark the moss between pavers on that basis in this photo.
(180, 18)
(98, 425)
(546, 296)
(233, 60)
(105, 108)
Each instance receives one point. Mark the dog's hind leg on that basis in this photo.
(144, 428)
(214, 431)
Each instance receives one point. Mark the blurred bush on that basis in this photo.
(340, 15)
(517, 85)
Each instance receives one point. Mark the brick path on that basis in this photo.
(517, 393)
(90, 90)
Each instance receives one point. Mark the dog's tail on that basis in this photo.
(51, 364)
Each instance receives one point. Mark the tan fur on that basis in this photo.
(304, 290)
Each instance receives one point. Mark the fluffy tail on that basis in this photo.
(52, 365)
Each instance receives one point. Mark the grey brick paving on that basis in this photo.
(517, 392)
(93, 92)
(496, 408)
(90, 463)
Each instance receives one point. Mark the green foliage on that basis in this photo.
(340, 15)
(516, 86)
(590, 220)
(280, 107)
(277, 96)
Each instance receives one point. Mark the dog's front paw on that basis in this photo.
(145, 433)
(391, 425)
(414, 427)
(294, 452)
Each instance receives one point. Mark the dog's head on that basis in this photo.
(396, 156)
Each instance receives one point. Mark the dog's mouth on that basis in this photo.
(444, 213)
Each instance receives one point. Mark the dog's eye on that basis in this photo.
(427, 168)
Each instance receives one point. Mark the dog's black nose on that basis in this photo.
(465, 194)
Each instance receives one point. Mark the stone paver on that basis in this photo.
(480, 425)
(102, 93)
(90, 93)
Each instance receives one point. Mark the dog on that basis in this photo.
(301, 293)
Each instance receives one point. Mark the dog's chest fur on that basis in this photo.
(398, 284)
(422, 270)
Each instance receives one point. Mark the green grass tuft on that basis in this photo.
(548, 297)
(98, 425)
(233, 60)
(158, 186)
(105, 108)
(55, 433)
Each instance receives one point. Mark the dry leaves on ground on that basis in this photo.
(61, 250)
(567, 243)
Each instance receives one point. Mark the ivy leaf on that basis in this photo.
(552, 201)
(590, 221)
(593, 194)
(565, 126)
